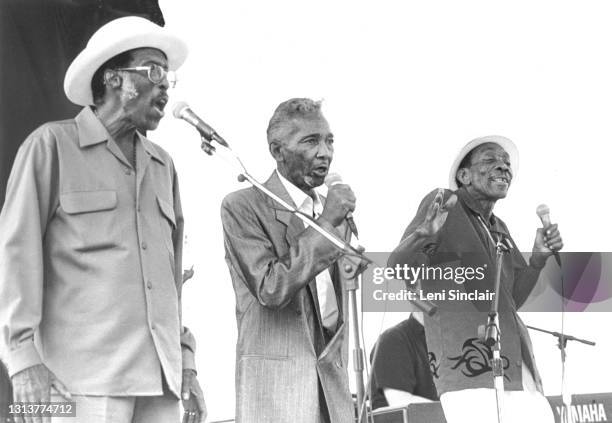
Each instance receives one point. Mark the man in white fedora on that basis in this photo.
(91, 241)
(457, 227)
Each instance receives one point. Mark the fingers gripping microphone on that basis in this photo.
(182, 110)
(331, 180)
(543, 213)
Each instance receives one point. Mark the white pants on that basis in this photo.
(527, 405)
(95, 409)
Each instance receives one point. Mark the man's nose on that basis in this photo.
(325, 150)
(164, 84)
(502, 165)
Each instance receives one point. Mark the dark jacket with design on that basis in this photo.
(452, 334)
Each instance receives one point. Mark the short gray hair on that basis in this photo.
(287, 112)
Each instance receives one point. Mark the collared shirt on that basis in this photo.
(90, 262)
(312, 206)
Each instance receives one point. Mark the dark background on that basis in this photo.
(38, 40)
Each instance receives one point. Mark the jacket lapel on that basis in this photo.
(294, 225)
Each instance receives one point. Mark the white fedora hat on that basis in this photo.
(503, 142)
(115, 37)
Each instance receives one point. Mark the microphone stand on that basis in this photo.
(491, 335)
(562, 338)
(353, 277)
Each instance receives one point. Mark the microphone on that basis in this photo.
(332, 179)
(182, 110)
(543, 213)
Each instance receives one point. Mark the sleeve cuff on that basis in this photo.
(188, 347)
(537, 263)
(188, 359)
(22, 357)
(334, 251)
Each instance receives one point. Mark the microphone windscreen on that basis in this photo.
(332, 179)
(543, 213)
(178, 108)
(542, 210)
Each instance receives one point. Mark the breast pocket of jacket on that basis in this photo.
(167, 222)
(91, 220)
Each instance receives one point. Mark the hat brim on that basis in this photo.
(77, 83)
(503, 142)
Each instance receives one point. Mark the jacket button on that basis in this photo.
(298, 312)
(518, 363)
(339, 364)
(144, 245)
(149, 285)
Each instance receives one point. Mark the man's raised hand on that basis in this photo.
(437, 213)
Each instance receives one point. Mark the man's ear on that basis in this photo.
(275, 150)
(463, 176)
(112, 79)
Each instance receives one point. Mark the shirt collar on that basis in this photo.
(493, 222)
(305, 203)
(473, 205)
(91, 131)
(150, 148)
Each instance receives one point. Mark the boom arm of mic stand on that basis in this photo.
(343, 245)
(562, 337)
(354, 255)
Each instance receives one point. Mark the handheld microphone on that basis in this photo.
(182, 110)
(331, 180)
(543, 213)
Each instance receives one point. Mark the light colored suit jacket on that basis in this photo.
(286, 363)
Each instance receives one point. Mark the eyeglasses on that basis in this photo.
(155, 73)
